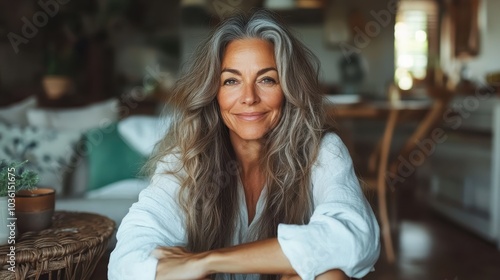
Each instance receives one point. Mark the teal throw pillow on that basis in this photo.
(110, 158)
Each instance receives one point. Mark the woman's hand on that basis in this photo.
(179, 264)
(334, 274)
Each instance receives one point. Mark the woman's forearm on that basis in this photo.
(261, 257)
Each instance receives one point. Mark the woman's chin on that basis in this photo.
(253, 136)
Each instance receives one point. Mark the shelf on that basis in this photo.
(463, 170)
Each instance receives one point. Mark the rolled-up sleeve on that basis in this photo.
(155, 220)
(343, 232)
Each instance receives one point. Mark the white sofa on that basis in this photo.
(51, 139)
(113, 200)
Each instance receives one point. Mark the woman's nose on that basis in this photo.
(249, 95)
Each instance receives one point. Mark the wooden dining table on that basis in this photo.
(377, 109)
(426, 113)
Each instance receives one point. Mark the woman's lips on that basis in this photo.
(250, 116)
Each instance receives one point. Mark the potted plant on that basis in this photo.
(14, 172)
(58, 79)
(61, 57)
(13, 178)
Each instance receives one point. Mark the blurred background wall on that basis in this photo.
(110, 47)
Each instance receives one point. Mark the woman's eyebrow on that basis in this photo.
(234, 71)
(260, 72)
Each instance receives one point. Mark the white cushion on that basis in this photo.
(143, 132)
(81, 119)
(17, 113)
(124, 189)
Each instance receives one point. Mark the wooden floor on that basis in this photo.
(431, 247)
(428, 247)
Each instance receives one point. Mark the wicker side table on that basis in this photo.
(70, 249)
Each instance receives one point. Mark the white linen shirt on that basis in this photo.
(342, 232)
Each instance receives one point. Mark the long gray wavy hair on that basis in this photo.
(208, 171)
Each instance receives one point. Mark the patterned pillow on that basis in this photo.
(49, 152)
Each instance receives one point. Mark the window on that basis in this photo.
(415, 41)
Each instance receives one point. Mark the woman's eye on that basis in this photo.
(230, 82)
(268, 80)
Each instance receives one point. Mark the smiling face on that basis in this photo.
(250, 96)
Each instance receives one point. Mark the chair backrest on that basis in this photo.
(441, 97)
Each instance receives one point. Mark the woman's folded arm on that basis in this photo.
(343, 232)
(155, 220)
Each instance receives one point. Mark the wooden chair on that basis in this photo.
(383, 166)
(375, 179)
(441, 97)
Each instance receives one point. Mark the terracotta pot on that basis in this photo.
(34, 209)
(57, 86)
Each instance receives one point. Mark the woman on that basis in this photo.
(248, 182)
